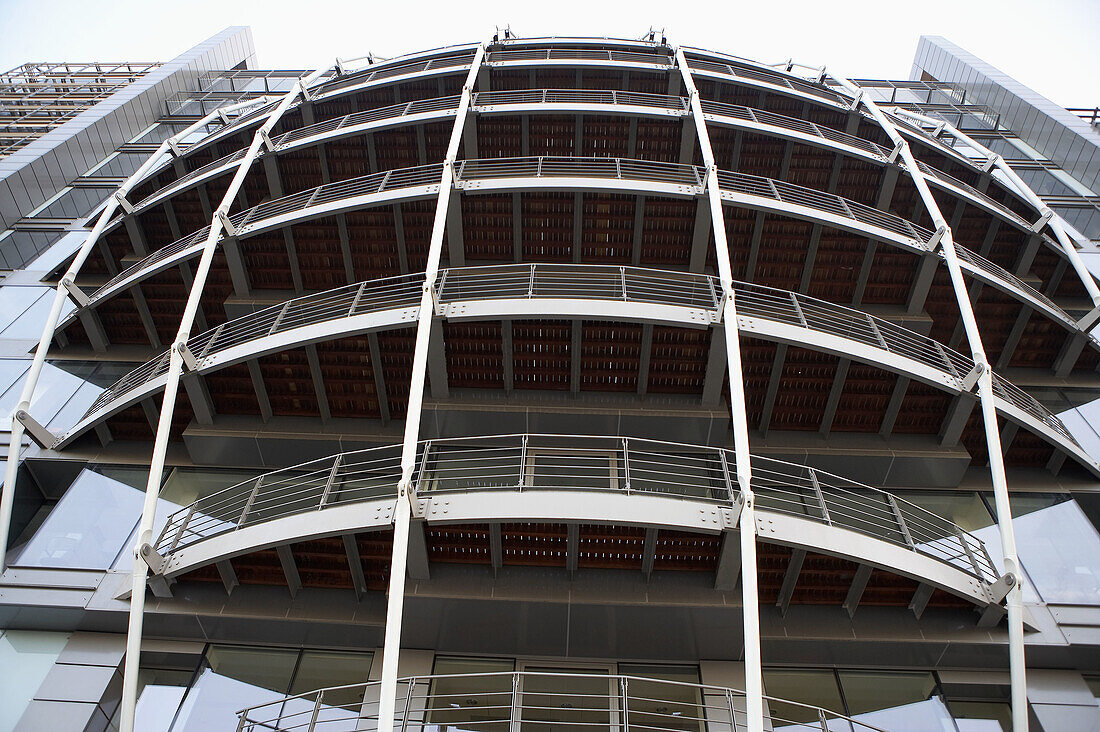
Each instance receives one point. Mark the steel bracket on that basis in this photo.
(35, 430)
(893, 156)
(1090, 319)
(223, 116)
(1043, 221)
(189, 359)
(937, 237)
(125, 205)
(174, 147)
(971, 379)
(990, 162)
(267, 140)
(999, 590)
(75, 292)
(733, 513)
(230, 229)
(150, 556)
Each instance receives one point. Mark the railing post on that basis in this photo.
(408, 704)
(820, 497)
(626, 463)
(622, 281)
(355, 300)
(798, 310)
(878, 333)
(279, 318)
(248, 503)
(969, 552)
(180, 530)
(822, 720)
(902, 524)
(331, 479)
(316, 711)
(210, 343)
(514, 713)
(733, 710)
(625, 692)
(523, 464)
(531, 283)
(726, 473)
(423, 464)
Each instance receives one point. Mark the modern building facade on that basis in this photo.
(551, 384)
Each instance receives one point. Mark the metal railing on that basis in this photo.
(551, 166)
(621, 465)
(537, 701)
(583, 282)
(580, 54)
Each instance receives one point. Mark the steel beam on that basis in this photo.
(355, 565)
(290, 569)
(379, 377)
(644, 355)
(790, 579)
(855, 590)
(839, 379)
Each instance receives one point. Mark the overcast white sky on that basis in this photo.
(1049, 45)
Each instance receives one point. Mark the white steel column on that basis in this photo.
(985, 398)
(67, 288)
(402, 513)
(754, 685)
(168, 405)
(1047, 216)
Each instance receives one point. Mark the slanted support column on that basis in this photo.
(218, 219)
(402, 514)
(985, 400)
(754, 686)
(64, 291)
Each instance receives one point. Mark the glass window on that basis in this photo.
(664, 706)
(815, 687)
(90, 524)
(982, 716)
(230, 679)
(324, 670)
(566, 699)
(160, 692)
(1059, 548)
(481, 701)
(901, 701)
(26, 656)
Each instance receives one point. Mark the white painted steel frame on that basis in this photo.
(1017, 667)
(1046, 215)
(177, 353)
(913, 238)
(402, 513)
(821, 326)
(750, 597)
(66, 289)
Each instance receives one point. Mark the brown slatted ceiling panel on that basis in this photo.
(1029, 450)
(395, 348)
(289, 384)
(684, 551)
(740, 223)
(417, 217)
(607, 228)
(771, 563)
(319, 254)
(678, 361)
(605, 137)
(864, 398)
(373, 242)
(922, 410)
(255, 188)
(231, 390)
(189, 212)
(487, 233)
(552, 134)
(757, 357)
(891, 277)
(163, 293)
(610, 354)
(299, 170)
(1089, 360)
(541, 545)
(942, 307)
(121, 322)
(782, 252)
(216, 190)
(610, 547)
(658, 139)
(859, 181)
(499, 136)
(474, 354)
(541, 354)
(458, 543)
(322, 563)
(259, 568)
(810, 167)
(547, 227)
(837, 266)
(436, 137)
(803, 389)
(375, 551)
(347, 157)
(349, 377)
(265, 261)
(824, 580)
(667, 230)
(130, 425)
(397, 148)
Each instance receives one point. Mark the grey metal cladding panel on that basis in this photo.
(56, 715)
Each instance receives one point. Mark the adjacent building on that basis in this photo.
(483, 361)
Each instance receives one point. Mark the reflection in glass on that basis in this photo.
(90, 525)
(814, 687)
(160, 692)
(482, 703)
(567, 703)
(323, 670)
(1059, 548)
(982, 716)
(660, 706)
(233, 678)
(901, 701)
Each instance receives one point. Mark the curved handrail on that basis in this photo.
(619, 465)
(696, 295)
(665, 178)
(551, 99)
(508, 698)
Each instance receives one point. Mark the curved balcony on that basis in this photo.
(593, 292)
(539, 478)
(585, 101)
(533, 700)
(603, 174)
